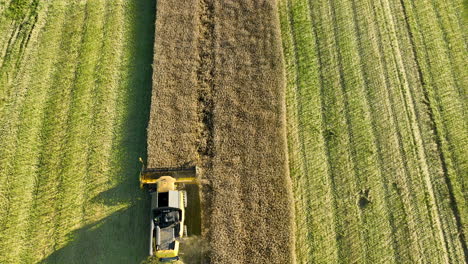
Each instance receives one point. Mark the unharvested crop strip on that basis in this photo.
(249, 169)
(173, 130)
(205, 89)
(205, 80)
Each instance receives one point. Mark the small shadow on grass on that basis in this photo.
(122, 236)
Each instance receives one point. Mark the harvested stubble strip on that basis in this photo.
(229, 116)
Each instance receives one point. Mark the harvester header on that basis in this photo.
(151, 176)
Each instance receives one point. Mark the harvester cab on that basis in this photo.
(168, 203)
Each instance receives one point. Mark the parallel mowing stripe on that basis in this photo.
(426, 156)
(18, 179)
(12, 94)
(445, 101)
(459, 10)
(8, 32)
(105, 115)
(16, 36)
(455, 43)
(313, 184)
(376, 216)
(398, 102)
(11, 102)
(295, 162)
(406, 94)
(387, 136)
(39, 78)
(403, 75)
(28, 141)
(97, 32)
(58, 114)
(447, 113)
(431, 170)
(9, 49)
(100, 175)
(75, 162)
(45, 193)
(456, 48)
(349, 237)
(82, 91)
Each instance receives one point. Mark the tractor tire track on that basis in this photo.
(348, 234)
(387, 155)
(439, 130)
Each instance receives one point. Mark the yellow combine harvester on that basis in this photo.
(168, 203)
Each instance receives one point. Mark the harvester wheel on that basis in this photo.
(185, 231)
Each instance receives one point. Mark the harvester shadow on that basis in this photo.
(118, 238)
(121, 236)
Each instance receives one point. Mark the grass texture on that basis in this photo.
(75, 83)
(377, 129)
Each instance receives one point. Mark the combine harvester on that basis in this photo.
(168, 203)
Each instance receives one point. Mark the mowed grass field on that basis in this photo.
(75, 86)
(377, 132)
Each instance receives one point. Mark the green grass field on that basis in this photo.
(75, 85)
(376, 103)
